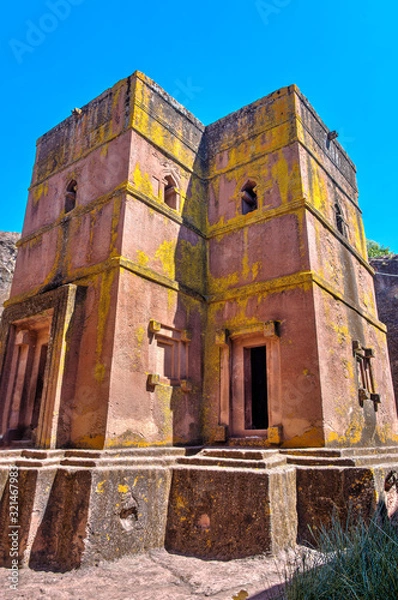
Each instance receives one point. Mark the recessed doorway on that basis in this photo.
(27, 378)
(250, 387)
(256, 389)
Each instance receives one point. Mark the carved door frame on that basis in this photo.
(232, 376)
(57, 306)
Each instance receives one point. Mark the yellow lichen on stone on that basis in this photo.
(136, 356)
(140, 335)
(281, 175)
(155, 130)
(142, 258)
(192, 207)
(38, 191)
(166, 254)
(116, 219)
(242, 595)
(318, 190)
(181, 503)
(106, 284)
(171, 299)
(220, 284)
(142, 181)
(190, 264)
(104, 150)
(100, 487)
(312, 438)
(164, 396)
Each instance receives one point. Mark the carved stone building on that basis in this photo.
(178, 285)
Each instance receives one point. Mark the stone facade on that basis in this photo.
(180, 284)
(386, 286)
(191, 355)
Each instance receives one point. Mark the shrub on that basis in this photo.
(357, 561)
(375, 249)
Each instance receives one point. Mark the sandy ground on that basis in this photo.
(153, 576)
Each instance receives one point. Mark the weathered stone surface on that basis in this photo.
(156, 575)
(229, 511)
(344, 483)
(386, 287)
(144, 210)
(128, 511)
(59, 541)
(25, 489)
(85, 507)
(214, 514)
(324, 492)
(78, 508)
(8, 255)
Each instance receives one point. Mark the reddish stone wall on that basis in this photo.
(386, 287)
(345, 309)
(169, 297)
(136, 260)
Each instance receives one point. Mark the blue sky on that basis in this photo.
(214, 57)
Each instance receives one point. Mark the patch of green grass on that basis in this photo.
(355, 561)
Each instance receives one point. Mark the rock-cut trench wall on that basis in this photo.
(8, 254)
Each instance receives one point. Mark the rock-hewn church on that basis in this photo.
(180, 286)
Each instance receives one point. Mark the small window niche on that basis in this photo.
(172, 349)
(340, 221)
(70, 197)
(171, 195)
(249, 197)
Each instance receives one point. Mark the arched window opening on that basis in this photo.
(249, 197)
(170, 193)
(340, 222)
(70, 197)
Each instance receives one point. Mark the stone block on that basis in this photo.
(26, 493)
(60, 539)
(222, 513)
(128, 512)
(324, 492)
(101, 506)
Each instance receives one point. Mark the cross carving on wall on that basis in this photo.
(366, 384)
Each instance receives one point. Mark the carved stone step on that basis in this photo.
(239, 453)
(234, 463)
(322, 461)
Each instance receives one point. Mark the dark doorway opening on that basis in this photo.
(256, 395)
(39, 386)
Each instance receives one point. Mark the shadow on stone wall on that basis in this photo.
(386, 288)
(59, 542)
